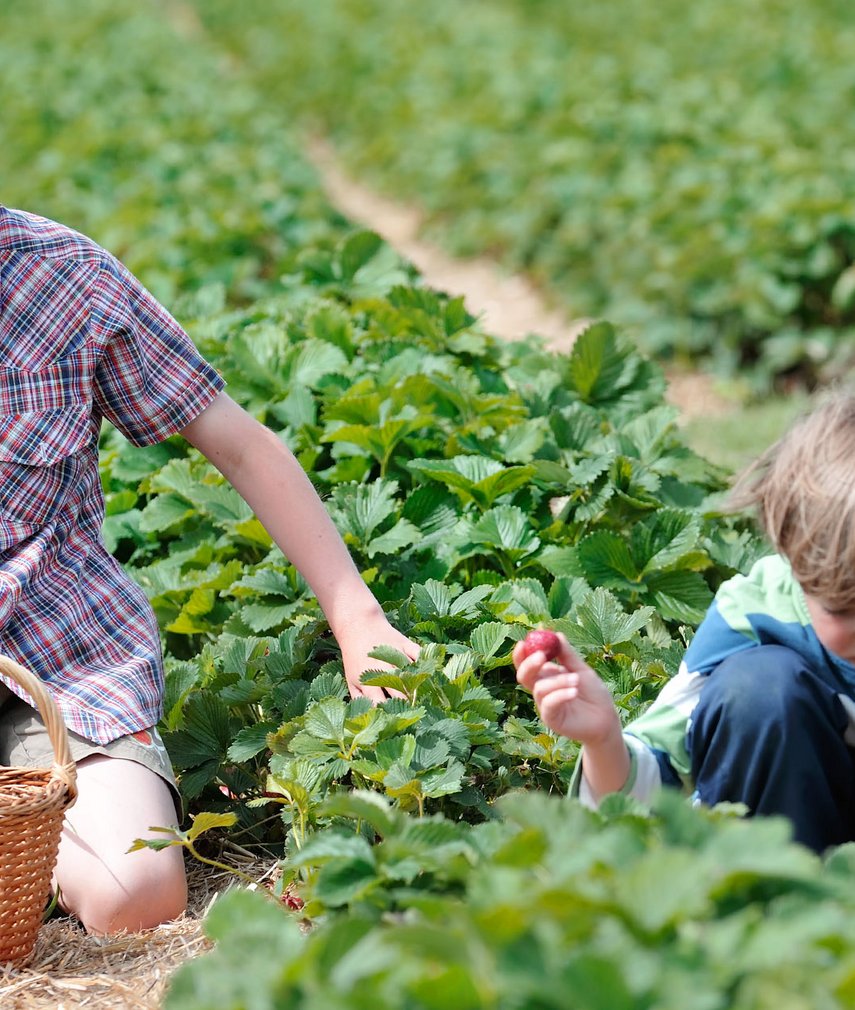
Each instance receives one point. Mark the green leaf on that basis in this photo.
(402, 534)
(488, 638)
(561, 561)
(326, 683)
(207, 821)
(664, 538)
(325, 720)
(265, 581)
(843, 293)
(431, 599)
(388, 654)
(332, 846)
(507, 528)
(520, 597)
(597, 367)
(467, 606)
(306, 365)
(206, 733)
(605, 560)
(654, 907)
(220, 501)
(344, 880)
(251, 740)
(680, 596)
(520, 442)
(363, 805)
(256, 942)
(601, 623)
(400, 749)
(460, 472)
(362, 508)
(407, 682)
(261, 617)
(163, 512)
(443, 781)
(475, 478)
(356, 251)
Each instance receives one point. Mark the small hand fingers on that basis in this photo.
(518, 654)
(375, 694)
(557, 681)
(530, 669)
(553, 708)
(534, 669)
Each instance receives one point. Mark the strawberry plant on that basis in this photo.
(548, 906)
(601, 523)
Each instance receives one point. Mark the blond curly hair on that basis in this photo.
(803, 488)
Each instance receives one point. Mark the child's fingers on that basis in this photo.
(568, 656)
(518, 655)
(556, 682)
(553, 707)
(533, 668)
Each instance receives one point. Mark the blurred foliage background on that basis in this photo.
(685, 171)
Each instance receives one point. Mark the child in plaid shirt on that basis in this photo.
(81, 340)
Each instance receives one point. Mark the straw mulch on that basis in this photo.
(130, 971)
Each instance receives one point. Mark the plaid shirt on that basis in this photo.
(80, 340)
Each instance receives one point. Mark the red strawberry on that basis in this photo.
(543, 641)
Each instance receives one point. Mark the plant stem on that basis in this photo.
(191, 848)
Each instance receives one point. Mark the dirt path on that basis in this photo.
(509, 305)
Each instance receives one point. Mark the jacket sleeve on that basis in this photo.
(656, 743)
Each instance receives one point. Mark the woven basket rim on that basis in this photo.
(34, 801)
(64, 769)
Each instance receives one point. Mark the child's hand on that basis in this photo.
(570, 697)
(355, 647)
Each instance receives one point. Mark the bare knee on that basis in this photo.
(106, 886)
(142, 898)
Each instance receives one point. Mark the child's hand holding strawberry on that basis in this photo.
(575, 703)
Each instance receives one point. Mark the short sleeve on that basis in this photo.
(150, 380)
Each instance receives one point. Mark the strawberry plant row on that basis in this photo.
(482, 488)
(676, 171)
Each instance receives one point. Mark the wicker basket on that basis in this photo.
(33, 802)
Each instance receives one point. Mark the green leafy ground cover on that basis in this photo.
(683, 170)
(547, 908)
(483, 488)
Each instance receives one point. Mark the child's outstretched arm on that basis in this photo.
(574, 702)
(270, 479)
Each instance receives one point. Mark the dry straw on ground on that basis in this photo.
(70, 970)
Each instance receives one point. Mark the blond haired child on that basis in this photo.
(762, 710)
(81, 340)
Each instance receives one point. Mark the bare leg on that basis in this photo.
(105, 886)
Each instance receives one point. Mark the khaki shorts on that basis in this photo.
(25, 743)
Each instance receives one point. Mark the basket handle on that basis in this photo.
(64, 765)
